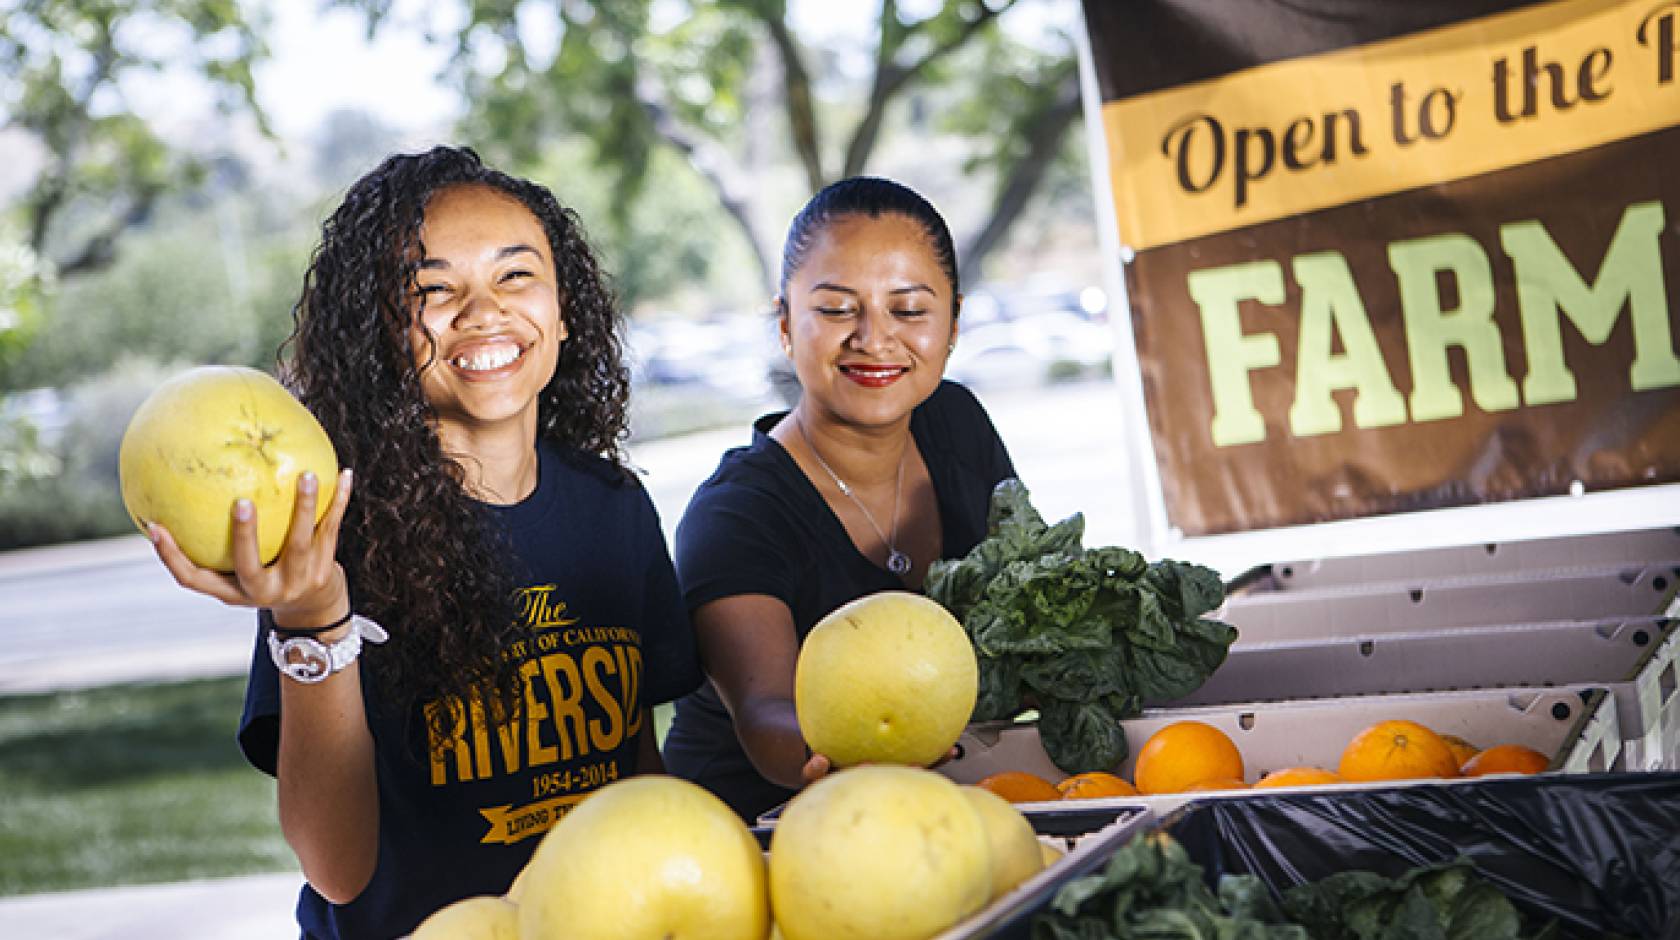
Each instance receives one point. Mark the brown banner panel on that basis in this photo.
(1505, 336)
(1145, 45)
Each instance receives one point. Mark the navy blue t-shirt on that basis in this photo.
(608, 638)
(758, 526)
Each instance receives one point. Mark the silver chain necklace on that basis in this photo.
(897, 562)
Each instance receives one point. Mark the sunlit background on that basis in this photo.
(164, 169)
(167, 166)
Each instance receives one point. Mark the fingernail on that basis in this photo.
(307, 482)
(152, 532)
(242, 510)
(346, 475)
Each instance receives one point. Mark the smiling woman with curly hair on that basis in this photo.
(457, 340)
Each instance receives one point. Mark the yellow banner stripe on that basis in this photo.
(509, 823)
(1291, 137)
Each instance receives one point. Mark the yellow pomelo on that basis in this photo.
(212, 435)
(1014, 846)
(888, 678)
(880, 852)
(1050, 853)
(517, 890)
(646, 858)
(481, 918)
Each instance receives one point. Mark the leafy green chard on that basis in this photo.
(1151, 889)
(1085, 635)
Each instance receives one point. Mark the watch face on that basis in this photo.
(304, 659)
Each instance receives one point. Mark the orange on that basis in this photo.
(1217, 783)
(1397, 750)
(1506, 759)
(1185, 753)
(1094, 785)
(1018, 786)
(1462, 750)
(1298, 777)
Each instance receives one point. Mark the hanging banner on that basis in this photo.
(1386, 257)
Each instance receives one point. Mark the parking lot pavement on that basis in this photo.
(255, 907)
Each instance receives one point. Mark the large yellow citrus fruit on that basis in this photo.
(880, 852)
(1396, 750)
(1014, 845)
(1183, 754)
(210, 436)
(646, 858)
(1050, 853)
(481, 918)
(888, 678)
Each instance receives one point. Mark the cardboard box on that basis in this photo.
(1635, 659)
(1575, 724)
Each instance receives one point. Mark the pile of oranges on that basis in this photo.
(1192, 756)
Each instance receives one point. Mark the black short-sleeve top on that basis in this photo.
(605, 638)
(759, 526)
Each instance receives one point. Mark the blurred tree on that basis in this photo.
(173, 295)
(351, 143)
(63, 65)
(637, 76)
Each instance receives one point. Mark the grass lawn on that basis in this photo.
(131, 784)
(135, 784)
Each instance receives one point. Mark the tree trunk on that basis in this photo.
(717, 168)
(801, 114)
(1044, 138)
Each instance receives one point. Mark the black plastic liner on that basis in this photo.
(1599, 852)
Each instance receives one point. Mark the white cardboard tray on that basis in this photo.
(1577, 725)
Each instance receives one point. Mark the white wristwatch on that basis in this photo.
(308, 660)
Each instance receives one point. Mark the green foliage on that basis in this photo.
(81, 500)
(668, 250)
(62, 63)
(690, 78)
(170, 297)
(1087, 635)
(24, 282)
(1151, 889)
(131, 784)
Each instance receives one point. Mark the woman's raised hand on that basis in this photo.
(304, 586)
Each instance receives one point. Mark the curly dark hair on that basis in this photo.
(418, 549)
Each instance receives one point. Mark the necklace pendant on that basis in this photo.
(898, 562)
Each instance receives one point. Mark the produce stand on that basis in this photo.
(1500, 566)
(1535, 838)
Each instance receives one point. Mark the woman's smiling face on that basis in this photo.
(491, 305)
(869, 318)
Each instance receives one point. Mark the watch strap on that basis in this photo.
(308, 660)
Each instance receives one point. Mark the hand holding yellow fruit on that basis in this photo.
(214, 435)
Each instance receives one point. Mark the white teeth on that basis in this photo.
(487, 359)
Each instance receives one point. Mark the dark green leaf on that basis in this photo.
(1076, 675)
(1000, 688)
(1188, 591)
(1081, 736)
(1481, 912)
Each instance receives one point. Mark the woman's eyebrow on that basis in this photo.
(907, 289)
(506, 251)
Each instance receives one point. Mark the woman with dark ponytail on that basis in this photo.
(881, 468)
(505, 571)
